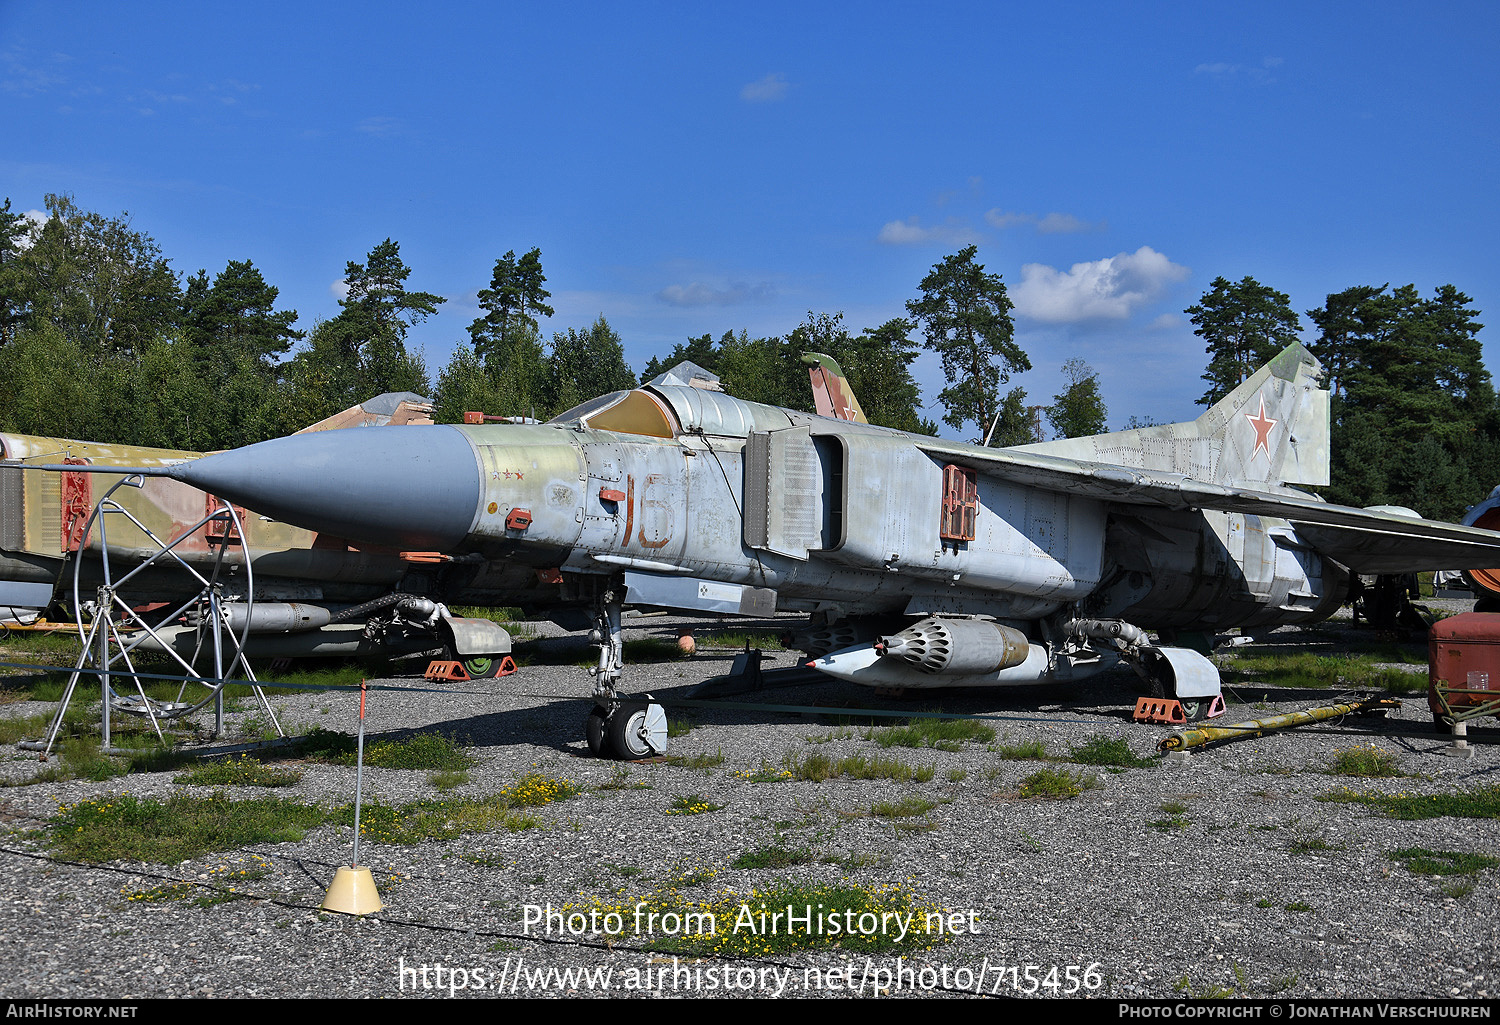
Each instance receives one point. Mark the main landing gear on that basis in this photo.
(628, 730)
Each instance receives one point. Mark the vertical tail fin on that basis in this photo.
(1272, 429)
(832, 395)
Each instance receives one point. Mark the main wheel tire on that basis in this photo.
(625, 728)
(482, 668)
(596, 730)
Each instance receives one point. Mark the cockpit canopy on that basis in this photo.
(627, 412)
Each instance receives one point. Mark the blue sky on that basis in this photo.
(691, 168)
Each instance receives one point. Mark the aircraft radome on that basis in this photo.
(919, 562)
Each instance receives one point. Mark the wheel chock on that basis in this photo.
(453, 672)
(1167, 711)
(1170, 711)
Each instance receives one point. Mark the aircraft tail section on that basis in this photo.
(1272, 429)
(831, 392)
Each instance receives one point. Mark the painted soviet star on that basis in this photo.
(1262, 425)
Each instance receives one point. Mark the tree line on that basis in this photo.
(101, 340)
(1415, 420)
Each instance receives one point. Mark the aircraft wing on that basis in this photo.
(1364, 540)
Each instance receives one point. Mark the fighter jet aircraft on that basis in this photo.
(919, 562)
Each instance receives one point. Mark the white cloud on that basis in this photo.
(912, 232)
(1259, 74)
(29, 231)
(381, 126)
(772, 87)
(1108, 289)
(339, 289)
(1052, 224)
(1063, 224)
(998, 218)
(699, 294)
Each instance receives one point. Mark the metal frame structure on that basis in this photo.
(112, 629)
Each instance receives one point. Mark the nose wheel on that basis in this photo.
(632, 730)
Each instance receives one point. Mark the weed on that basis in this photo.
(1112, 751)
(423, 751)
(448, 779)
(1176, 817)
(692, 804)
(1441, 863)
(1364, 761)
(679, 727)
(242, 771)
(1458, 889)
(534, 790)
(1054, 785)
(1206, 991)
(957, 775)
(736, 924)
(767, 773)
(907, 807)
(817, 767)
(943, 734)
(1313, 845)
(1299, 905)
(1481, 803)
(619, 780)
(698, 761)
(1265, 902)
(182, 827)
(1022, 751)
(760, 640)
(772, 857)
(842, 733)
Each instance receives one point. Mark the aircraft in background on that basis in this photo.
(161, 543)
(919, 562)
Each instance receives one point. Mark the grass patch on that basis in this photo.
(1022, 750)
(448, 779)
(409, 824)
(1369, 762)
(761, 640)
(679, 727)
(1108, 751)
(1054, 785)
(943, 734)
(698, 761)
(1441, 863)
(182, 827)
(692, 804)
(242, 771)
(1313, 845)
(1482, 803)
(907, 807)
(672, 923)
(1304, 669)
(767, 773)
(1176, 817)
(423, 751)
(817, 767)
(773, 857)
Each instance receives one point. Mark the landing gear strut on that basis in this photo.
(627, 730)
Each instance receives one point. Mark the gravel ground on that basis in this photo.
(1257, 887)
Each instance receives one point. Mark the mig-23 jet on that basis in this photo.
(919, 562)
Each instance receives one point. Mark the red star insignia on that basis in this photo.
(1262, 425)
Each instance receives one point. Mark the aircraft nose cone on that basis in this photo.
(414, 488)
